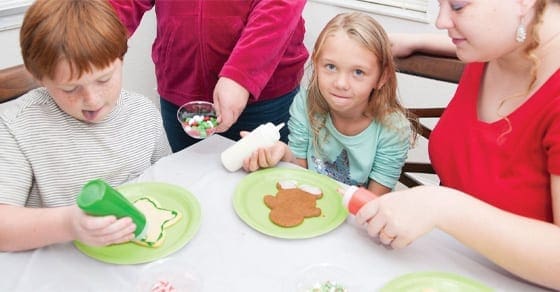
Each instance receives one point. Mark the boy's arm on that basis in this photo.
(28, 228)
(24, 228)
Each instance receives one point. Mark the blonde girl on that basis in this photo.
(349, 123)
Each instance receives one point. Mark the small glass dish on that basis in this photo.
(168, 275)
(324, 277)
(198, 119)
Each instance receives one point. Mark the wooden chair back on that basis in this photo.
(440, 68)
(15, 81)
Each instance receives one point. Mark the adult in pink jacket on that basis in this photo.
(245, 56)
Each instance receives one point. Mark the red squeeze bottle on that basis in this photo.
(355, 198)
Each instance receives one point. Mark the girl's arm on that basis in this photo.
(377, 188)
(271, 156)
(290, 157)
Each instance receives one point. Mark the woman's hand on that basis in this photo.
(230, 99)
(100, 231)
(399, 218)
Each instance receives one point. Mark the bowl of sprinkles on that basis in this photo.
(324, 277)
(168, 275)
(327, 286)
(198, 119)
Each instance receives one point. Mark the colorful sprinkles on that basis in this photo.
(198, 119)
(200, 126)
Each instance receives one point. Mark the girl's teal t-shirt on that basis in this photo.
(377, 153)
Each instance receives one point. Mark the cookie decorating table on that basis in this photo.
(227, 254)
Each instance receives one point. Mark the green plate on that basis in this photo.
(433, 281)
(249, 205)
(168, 196)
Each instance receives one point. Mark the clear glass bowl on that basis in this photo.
(324, 277)
(198, 119)
(168, 275)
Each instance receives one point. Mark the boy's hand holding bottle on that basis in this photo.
(114, 219)
(99, 231)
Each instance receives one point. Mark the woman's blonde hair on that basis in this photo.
(534, 42)
(383, 101)
(85, 33)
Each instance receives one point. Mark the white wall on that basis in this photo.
(318, 12)
(10, 54)
(139, 71)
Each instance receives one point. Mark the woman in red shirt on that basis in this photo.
(496, 148)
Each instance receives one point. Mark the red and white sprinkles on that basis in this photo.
(163, 286)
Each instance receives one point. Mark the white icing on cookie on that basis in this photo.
(311, 189)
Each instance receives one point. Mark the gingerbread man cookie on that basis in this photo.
(293, 203)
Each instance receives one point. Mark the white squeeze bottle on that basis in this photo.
(263, 136)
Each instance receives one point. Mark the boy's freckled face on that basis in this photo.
(91, 97)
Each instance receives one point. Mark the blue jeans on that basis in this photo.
(275, 110)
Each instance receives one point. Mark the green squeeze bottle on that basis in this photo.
(98, 198)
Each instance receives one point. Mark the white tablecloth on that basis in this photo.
(228, 255)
